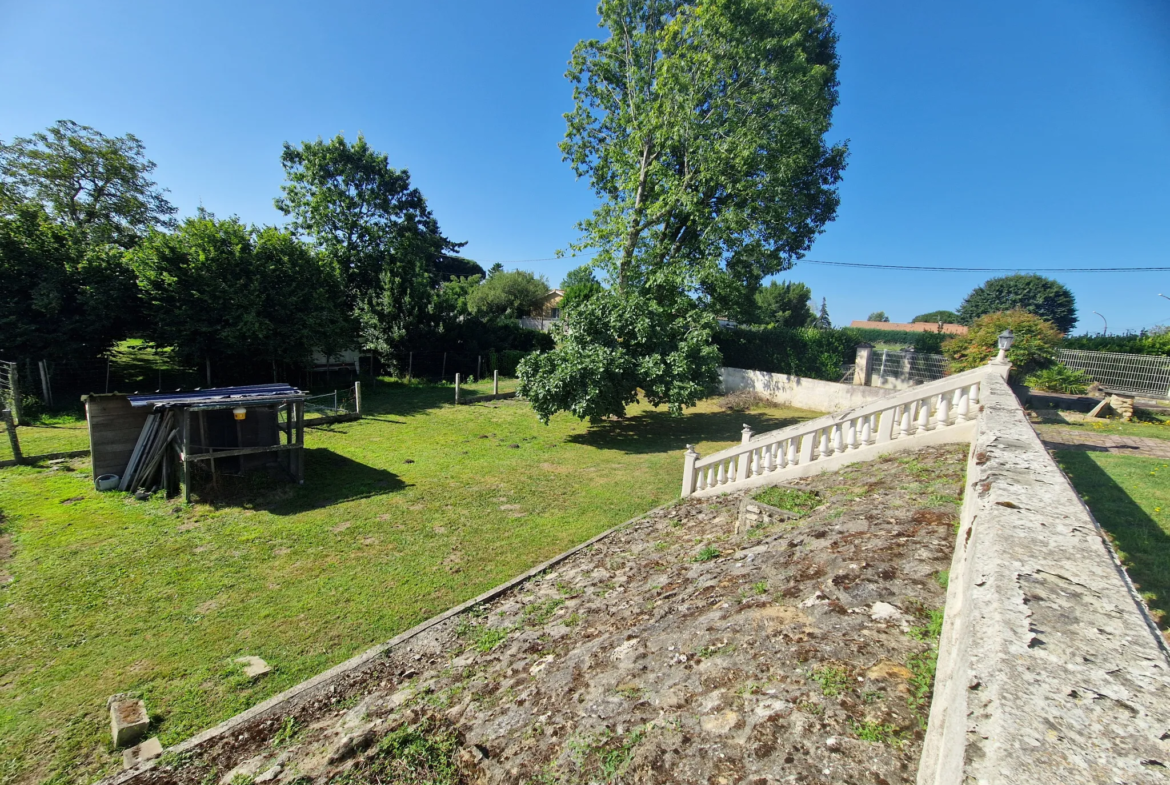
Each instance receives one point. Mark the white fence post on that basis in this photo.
(495, 382)
(456, 388)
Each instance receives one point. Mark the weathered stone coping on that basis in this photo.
(310, 689)
(1050, 668)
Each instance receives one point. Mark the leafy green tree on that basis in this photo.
(823, 322)
(1033, 347)
(59, 299)
(618, 344)
(700, 126)
(579, 285)
(877, 316)
(447, 266)
(96, 184)
(495, 269)
(934, 317)
(1044, 297)
(217, 289)
(366, 217)
(510, 295)
(784, 304)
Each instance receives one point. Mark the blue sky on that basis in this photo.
(997, 134)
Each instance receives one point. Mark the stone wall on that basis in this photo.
(814, 394)
(1049, 669)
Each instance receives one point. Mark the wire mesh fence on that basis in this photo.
(909, 367)
(1135, 374)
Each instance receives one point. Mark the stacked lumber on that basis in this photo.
(151, 463)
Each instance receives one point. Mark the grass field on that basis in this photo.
(1131, 498)
(406, 513)
(1153, 426)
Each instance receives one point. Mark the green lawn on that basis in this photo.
(406, 513)
(49, 435)
(1154, 426)
(1131, 498)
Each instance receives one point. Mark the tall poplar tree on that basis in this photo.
(700, 126)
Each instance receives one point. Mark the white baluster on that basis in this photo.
(923, 415)
(824, 445)
(791, 457)
(964, 403)
(905, 421)
(771, 461)
(722, 472)
(974, 394)
(838, 440)
(944, 410)
(866, 430)
(851, 435)
(732, 466)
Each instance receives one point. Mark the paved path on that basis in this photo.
(1065, 439)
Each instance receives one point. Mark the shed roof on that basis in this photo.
(249, 394)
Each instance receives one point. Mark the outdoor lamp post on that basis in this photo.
(1005, 342)
(1162, 295)
(1106, 331)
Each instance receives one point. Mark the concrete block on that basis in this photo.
(254, 667)
(128, 720)
(147, 750)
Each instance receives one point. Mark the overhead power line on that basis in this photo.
(920, 268)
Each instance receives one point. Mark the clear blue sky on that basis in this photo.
(997, 133)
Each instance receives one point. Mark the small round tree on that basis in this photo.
(1033, 347)
(934, 317)
(1044, 297)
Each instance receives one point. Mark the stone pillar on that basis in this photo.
(688, 483)
(907, 365)
(863, 365)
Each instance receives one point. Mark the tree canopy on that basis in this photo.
(877, 316)
(700, 126)
(934, 317)
(784, 304)
(1044, 297)
(579, 285)
(1033, 347)
(96, 184)
(507, 294)
(218, 288)
(366, 217)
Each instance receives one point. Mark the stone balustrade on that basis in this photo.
(936, 413)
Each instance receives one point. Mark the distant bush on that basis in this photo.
(1133, 343)
(505, 361)
(1059, 379)
(928, 342)
(807, 352)
(1034, 346)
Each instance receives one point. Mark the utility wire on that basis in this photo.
(920, 268)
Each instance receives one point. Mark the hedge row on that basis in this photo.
(1127, 344)
(808, 352)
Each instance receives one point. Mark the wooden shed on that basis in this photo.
(152, 441)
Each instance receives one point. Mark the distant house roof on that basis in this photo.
(911, 327)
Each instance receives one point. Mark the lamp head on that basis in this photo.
(1006, 338)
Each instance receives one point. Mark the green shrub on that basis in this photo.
(1034, 346)
(1132, 343)
(1059, 379)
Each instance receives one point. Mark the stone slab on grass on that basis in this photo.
(254, 667)
(140, 753)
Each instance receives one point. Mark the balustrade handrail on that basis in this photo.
(945, 384)
(933, 407)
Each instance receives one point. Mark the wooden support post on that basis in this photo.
(208, 371)
(443, 375)
(300, 407)
(456, 388)
(186, 455)
(108, 376)
(13, 440)
(46, 388)
(410, 367)
(478, 367)
(207, 444)
(16, 411)
(495, 382)
(357, 398)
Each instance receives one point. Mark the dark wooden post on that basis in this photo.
(15, 380)
(300, 405)
(187, 454)
(12, 437)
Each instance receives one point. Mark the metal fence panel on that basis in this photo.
(909, 367)
(1136, 374)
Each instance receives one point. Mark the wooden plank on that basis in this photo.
(206, 456)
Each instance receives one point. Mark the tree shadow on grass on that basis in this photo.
(659, 431)
(1142, 544)
(330, 479)
(390, 398)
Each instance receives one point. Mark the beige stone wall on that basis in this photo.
(814, 394)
